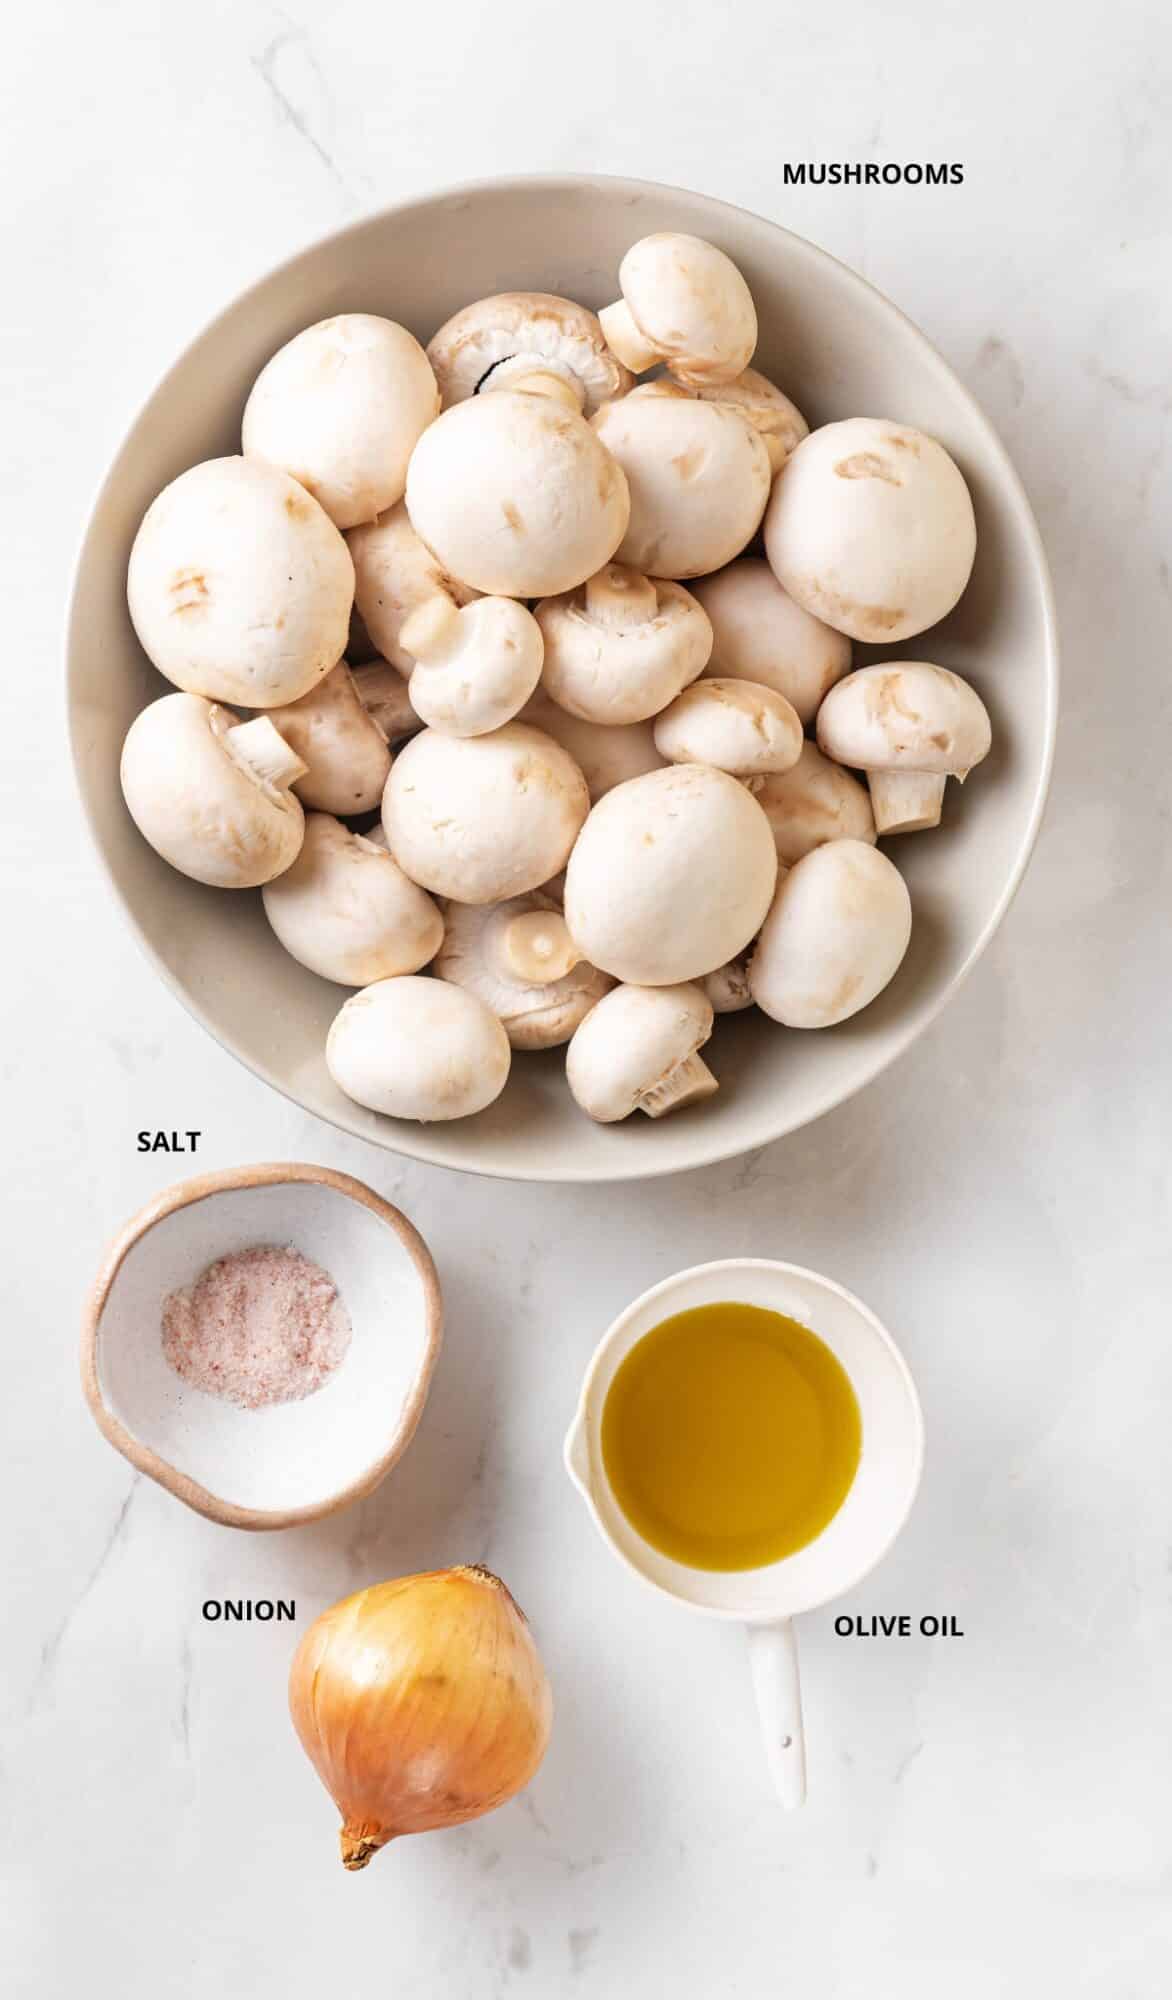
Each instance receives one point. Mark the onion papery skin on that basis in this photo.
(420, 1703)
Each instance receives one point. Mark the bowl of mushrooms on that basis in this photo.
(523, 662)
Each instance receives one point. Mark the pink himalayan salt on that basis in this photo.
(258, 1326)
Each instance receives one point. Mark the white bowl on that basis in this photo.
(275, 1467)
(840, 349)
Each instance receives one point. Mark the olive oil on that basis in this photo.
(730, 1436)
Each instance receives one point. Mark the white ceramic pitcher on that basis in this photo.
(767, 1600)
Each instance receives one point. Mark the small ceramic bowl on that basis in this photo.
(293, 1462)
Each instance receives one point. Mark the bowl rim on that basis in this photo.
(412, 1142)
(203, 1187)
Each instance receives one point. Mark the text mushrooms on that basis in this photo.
(343, 747)
(834, 937)
(760, 634)
(341, 407)
(210, 793)
(516, 495)
(607, 755)
(517, 338)
(476, 667)
(394, 573)
(240, 585)
(518, 958)
(736, 725)
(778, 422)
(698, 475)
(346, 910)
(910, 726)
(670, 877)
(686, 303)
(637, 1051)
(418, 1048)
(814, 801)
(622, 646)
(870, 526)
(483, 818)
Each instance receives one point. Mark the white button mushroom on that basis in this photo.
(814, 801)
(342, 746)
(418, 1048)
(622, 646)
(607, 755)
(728, 987)
(210, 793)
(739, 726)
(834, 937)
(346, 910)
(385, 696)
(483, 818)
(517, 495)
(671, 876)
(394, 573)
(698, 475)
(686, 303)
(778, 422)
(499, 342)
(870, 526)
(341, 407)
(636, 1051)
(240, 586)
(476, 668)
(519, 959)
(760, 634)
(910, 726)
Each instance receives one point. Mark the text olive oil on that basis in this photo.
(730, 1436)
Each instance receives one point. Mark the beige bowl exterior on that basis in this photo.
(839, 349)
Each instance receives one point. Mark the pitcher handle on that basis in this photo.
(773, 1659)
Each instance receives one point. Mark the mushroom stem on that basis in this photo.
(624, 339)
(544, 382)
(261, 748)
(686, 1083)
(431, 629)
(906, 801)
(618, 597)
(537, 948)
(383, 693)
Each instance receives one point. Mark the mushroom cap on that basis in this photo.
(691, 304)
(341, 407)
(516, 495)
(739, 726)
(870, 526)
(534, 1017)
(239, 585)
(698, 475)
(346, 910)
(905, 715)
(813, 802)
(778, 422)
(759, 633)
(606, 671)
(418, 1048)
(394, 573)
(202, 808)
(485, 664)
(606, 754)
(535, 330)
(630, 1041)
(671, 876)
(482, 818)
(728, 987)
(345, 750)
(835, 935)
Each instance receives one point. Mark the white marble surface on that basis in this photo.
(989, 1817)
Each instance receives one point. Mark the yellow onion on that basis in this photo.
(420, 1703)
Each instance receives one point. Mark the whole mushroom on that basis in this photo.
(739, 726)
(342, 745)
(910, 726)
(211, 793)
(394, 574)
(341, 407)
(637, 1051)
(521, 337)
(698, 475)
(671, 876)
(239, 585)
(606, 754)
(517, 957)
(835, 936)
(622, 646)
(759, 633)
(686, 303)
(813, 802)
(483, 818)
(516, 495)
(778, 422)
(870, 526)
(418, 1048)
(346, 910)
(475, 668)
